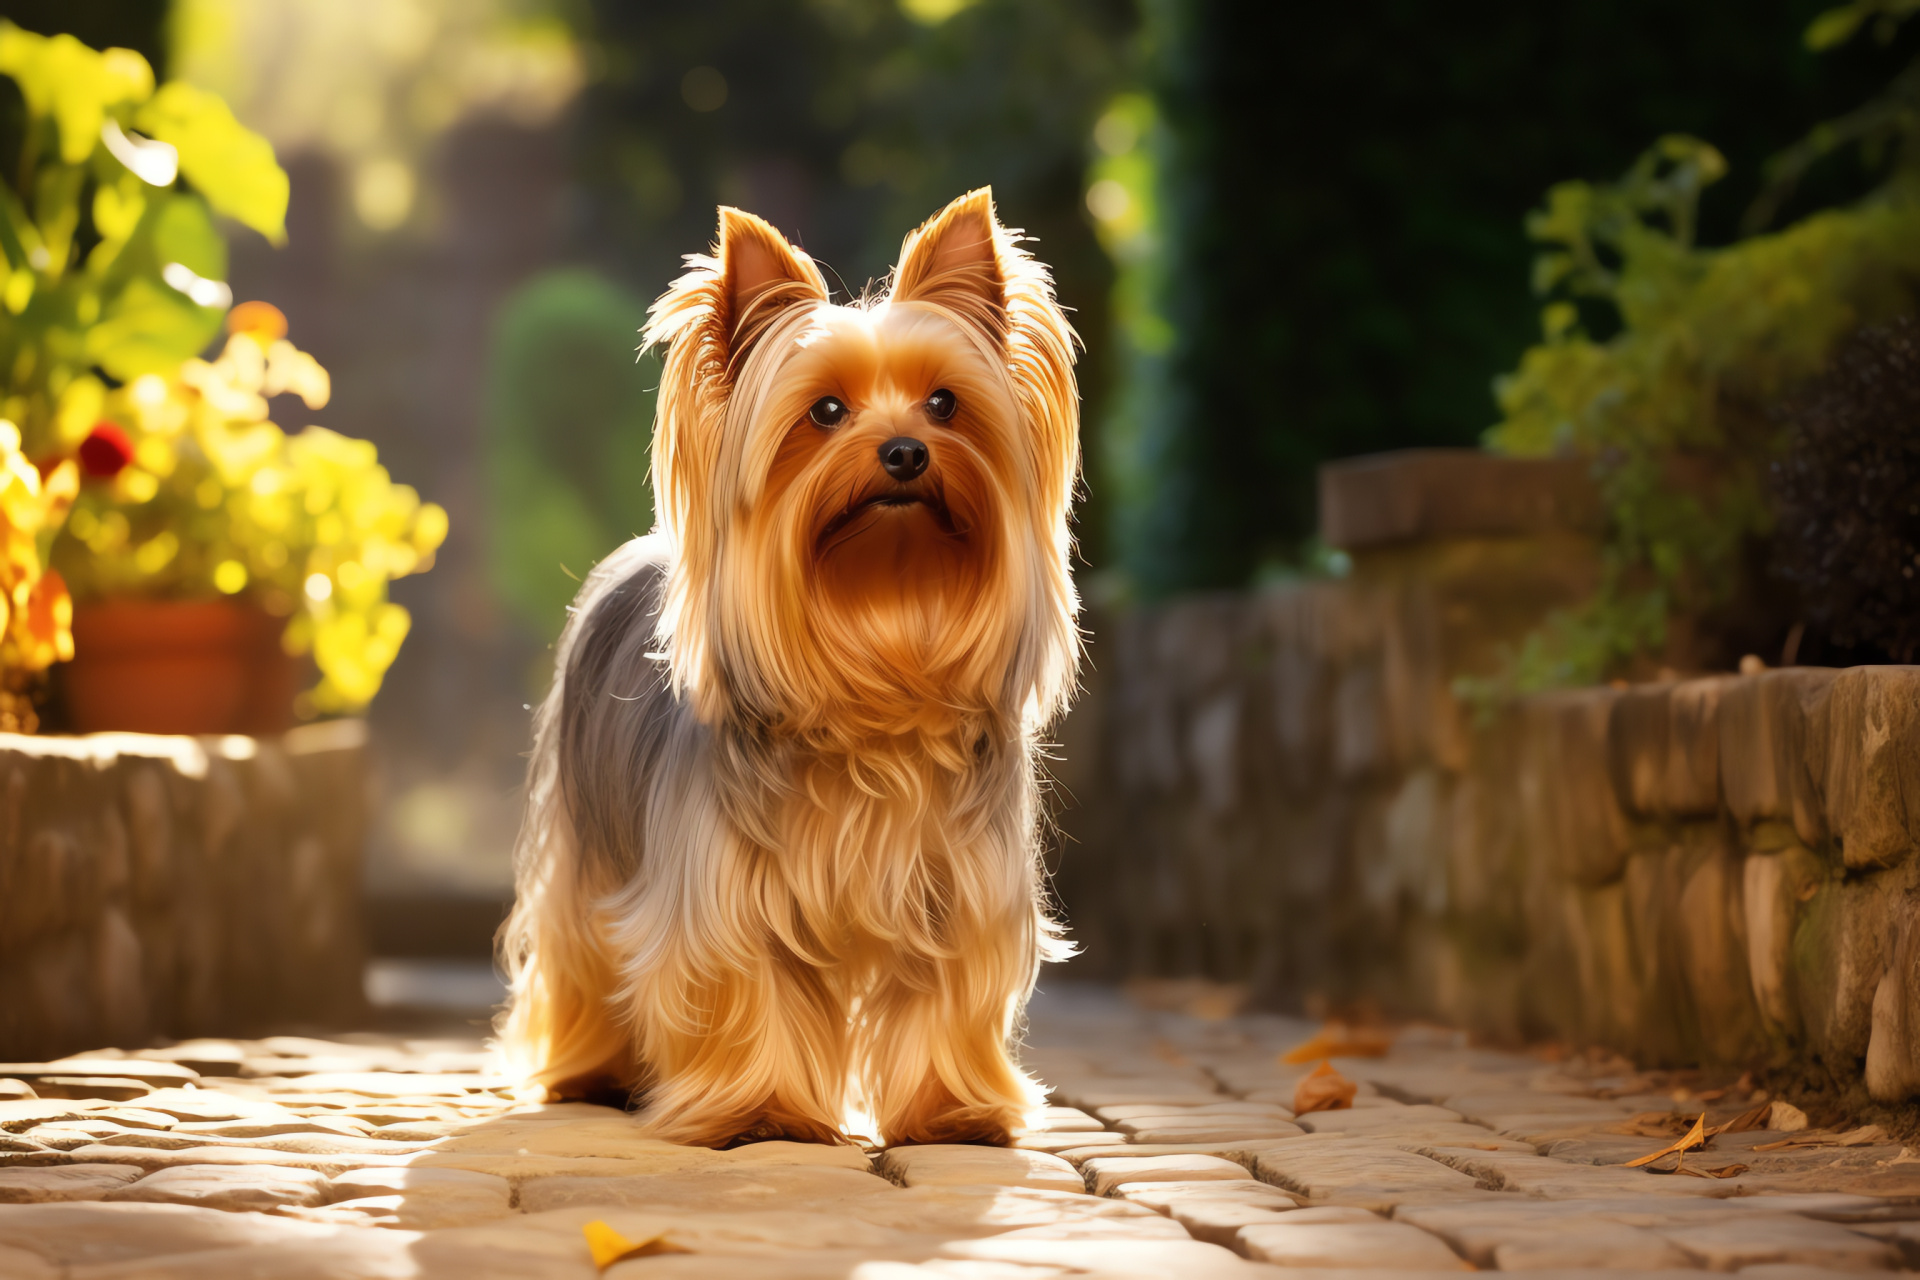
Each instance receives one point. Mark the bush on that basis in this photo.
(1679, 409)
(568, 428)
(1847, 497)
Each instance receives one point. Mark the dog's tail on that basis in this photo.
(560, 1034)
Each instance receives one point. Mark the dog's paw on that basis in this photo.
(784, 1129)
(978, 1126)
(725, 1132)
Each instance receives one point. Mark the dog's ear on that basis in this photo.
(706, 323)
(761, 275)
(955, 259)
(710, 317)
(964, 262)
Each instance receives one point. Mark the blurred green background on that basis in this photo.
(1287, 233)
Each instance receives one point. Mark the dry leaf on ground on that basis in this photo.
(1866, 1135)
(1695, 1137)
(1323, 1089)
(1652, 1124)
(1724, 1171)
(1337, 1040)
(609, 1246)
(1746, 1121)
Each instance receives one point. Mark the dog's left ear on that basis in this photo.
(964, 262)
(954, 259)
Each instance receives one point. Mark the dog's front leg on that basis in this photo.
(938, 1065)
(743, 1051)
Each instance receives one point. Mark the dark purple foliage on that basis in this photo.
(1847, 494)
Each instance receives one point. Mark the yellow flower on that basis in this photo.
(309, 525)
(36, 613)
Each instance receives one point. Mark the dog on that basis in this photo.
(779, 873)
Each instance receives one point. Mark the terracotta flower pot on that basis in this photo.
(178, 666)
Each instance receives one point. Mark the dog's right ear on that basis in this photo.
(712, 315)
(761, 275)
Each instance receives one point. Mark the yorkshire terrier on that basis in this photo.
(780, 863)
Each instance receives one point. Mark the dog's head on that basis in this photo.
(868, 503)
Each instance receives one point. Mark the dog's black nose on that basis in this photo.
(904, 458)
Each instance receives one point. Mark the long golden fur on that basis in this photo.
(780, 862)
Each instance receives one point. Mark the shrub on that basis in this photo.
(1678, 409)
(568, 428)
(1847, 494)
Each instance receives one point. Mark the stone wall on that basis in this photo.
(178, 886)
(1283, 789)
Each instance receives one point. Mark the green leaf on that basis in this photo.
(146, 326)
(184, 233)
(149, 328)
(232, 166)
(1835, 26)
(62, 78)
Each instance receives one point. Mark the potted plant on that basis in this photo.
(208, 547)
(205, 547)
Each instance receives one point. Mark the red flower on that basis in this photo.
(106, 450)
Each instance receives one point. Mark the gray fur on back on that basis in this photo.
(616, 708)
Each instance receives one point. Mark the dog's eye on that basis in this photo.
(827, 411)
(941, 404)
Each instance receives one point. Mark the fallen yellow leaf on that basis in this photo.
(1337, 1040)
(1696, 1137)
(609, 1246)
(1323, 1089)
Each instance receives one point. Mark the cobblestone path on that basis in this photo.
(1171, 1151)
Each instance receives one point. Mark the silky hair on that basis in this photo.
(779, 871)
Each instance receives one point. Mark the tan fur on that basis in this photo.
(780, 860)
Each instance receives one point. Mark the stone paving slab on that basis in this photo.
(1171, 1149)
(1318, 1238)
(969, 1166)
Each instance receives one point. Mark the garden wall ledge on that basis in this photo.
(1415, 494)
(154, 885)
(1283, 789)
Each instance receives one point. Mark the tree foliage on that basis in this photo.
(1677, 408)
(1344, 198)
